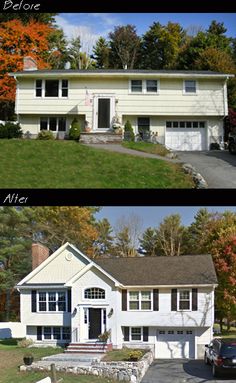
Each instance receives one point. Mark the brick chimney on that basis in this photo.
(39, 254)
(29, 63)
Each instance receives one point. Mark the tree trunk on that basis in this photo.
(221, 325)
(8, 305)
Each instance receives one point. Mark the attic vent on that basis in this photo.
(29, 63)
(69, 256)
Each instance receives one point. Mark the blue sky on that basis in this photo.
(153, 215)
(92, 25)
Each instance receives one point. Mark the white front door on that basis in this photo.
(104, 112)
(174, 344)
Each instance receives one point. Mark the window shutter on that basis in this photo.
(194, 300)
(124, 300)
(155, 299)
(145, 334)
(69, 301)
(174, 300)
(126, 334)
(34, 301)
(39, 332)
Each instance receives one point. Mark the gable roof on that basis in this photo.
(149, 271)
(120, 73)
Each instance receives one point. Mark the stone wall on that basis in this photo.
(122, 371)
(100, 138)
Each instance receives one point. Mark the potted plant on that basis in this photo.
(87, 128)
(28, 358)
(104, 336)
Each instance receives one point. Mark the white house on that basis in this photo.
(165, 303)
(183, 109)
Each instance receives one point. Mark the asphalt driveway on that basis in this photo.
(181, 371)
(218, 167)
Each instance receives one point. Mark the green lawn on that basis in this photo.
(231, 333)
(11, 357)
(147, 147)
(67, 164)
(122, 354)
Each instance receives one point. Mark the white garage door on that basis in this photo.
(174, 344)
(185, 139)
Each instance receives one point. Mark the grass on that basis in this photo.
(123, 354)
(147, 147)
(11, 357)
(67, 164)
(231, 333)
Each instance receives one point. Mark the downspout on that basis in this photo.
(225, 105)
(17, 98)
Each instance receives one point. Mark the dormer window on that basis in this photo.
(94, 293)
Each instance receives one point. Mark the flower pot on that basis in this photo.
(28, 360)
(87, 130)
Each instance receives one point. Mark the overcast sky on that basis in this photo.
(93, 25)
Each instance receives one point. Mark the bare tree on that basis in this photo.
(170, 235)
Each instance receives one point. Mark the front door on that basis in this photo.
(104, 109)
(94, 323)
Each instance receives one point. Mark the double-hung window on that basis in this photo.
(52, 301)
(190, 86)
(136, 86)
(184, 300)
(151, 86)
(140, 300)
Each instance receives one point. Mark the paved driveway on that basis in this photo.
(217, 167)
(181, 371)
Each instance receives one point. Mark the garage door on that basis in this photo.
(186, 135)
(174, 344)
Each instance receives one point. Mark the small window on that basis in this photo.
(94, 293)
(162, 332)
(184, 300)
(145, 300)
(47, 332)
(188, 124)
(175, 124)
(134, 300)
(171, 332)
(52, 301)
(61, 301)
(53, 124)
(201, 124)
(189, 332)
(195, 124)
(43, 123)
(85, 316)
(182, 124)
(56, 333)
(180, 332)
(136, 86)
(39, 88)
(64, 88)
(136, 333)
(61, 124)
(151, 86)
(168, 124)
(190, 86)
(42, 302)
(51, 88)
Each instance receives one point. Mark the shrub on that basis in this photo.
(24, 343)
(135, 355)
(45, 135)
(129, 133)
(10, 130)
(75, 129)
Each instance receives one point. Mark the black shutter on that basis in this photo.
(34, 301)
(124, 300)
(174, 300)
(194, 300)
(39, 332)
(145, 334)
(155, 299)
(126, 334)
(69, 301)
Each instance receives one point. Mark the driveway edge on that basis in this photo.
(198, 179)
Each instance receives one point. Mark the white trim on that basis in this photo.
(139, 300)
(93, 299)
(96, 97)
(190, 300)
(47, 311)
(144, 86)
(44, 88)
(225, 98)
(190, 93)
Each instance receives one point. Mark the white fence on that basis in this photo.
(12, 330)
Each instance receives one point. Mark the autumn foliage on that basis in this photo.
(17, 41)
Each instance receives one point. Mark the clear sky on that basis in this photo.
(93, 25)
(151, 216)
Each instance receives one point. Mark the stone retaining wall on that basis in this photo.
(100, 138)
(122, 371)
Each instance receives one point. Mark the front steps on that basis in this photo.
(100, 138)
(88, 348)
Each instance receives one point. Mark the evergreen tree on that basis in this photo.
(148, 242)
(101, 54)
(103, 244)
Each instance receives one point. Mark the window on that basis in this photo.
(55, 124)
(143, 125)
(136, 333)
(136, 86)
(162, 332)
(52, 301)
(140, 300)
(180, 332)
(85, 316)
(171, 332)
(51, 88)
(189, 332)
(151, 86)
(190, 86)
(184, 300)
(39, 87)
(185, 124)
(94, 293)
(168, 124)
(56, 333)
